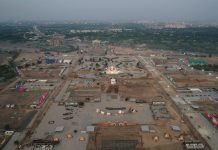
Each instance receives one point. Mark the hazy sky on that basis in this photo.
(157, 10)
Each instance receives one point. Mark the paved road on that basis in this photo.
(63, 91)
(162, 81)
(205, 128)
(55, 113)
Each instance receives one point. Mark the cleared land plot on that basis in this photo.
(211, 60)
(21, 102)
(208, 106)
(115, 138)
(4, 58)
(194, 80)
(42, 73)
(29, 56)
(122, 50)
(97, 50)
(139, 88)
(84, 90)
(85, 95)
(15, 119)
(19, 98)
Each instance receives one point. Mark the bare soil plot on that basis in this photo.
(207, 105)
(15, 118)
(211, 60)
(138, 88)
(19, 98)
(196, 80)
(30, 56)
(96, 50)
(4, 58)
(85, 72)
(122, 50)
(42, 73)
(21, 114)
(116, 138)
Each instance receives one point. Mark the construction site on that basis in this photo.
(118, 100)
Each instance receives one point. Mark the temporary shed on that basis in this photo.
(90, 128)
(175, 128)
(145, 128)
(59, 129)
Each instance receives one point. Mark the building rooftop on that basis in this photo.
(59, 129)
(90, 128)
(175, 128)
(145, 128)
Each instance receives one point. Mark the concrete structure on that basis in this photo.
(193, 94)
(175, 128)
(113, 81)
(67, 61)
(90, 128)
(59, 129)
(145, 128)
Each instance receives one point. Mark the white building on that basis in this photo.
(113, 81)
(67, 61)
(112, 70)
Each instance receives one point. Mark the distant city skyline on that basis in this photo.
(109, 10)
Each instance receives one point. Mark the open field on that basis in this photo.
(4, 58)
(21, 102)
(211, 60)
(196, 80)
(42, 73)
(29, 56)
(19, 98)
(134, 88)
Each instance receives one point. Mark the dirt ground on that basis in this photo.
(211, 60)
(15, 116)
(4, 58)
(5, 83)
(194, 80)
(12, 117)
(122, 50)
(30, 56)
(144, 139)
(171, 146)
(48, 73)
(113, 133)
(85, 72)
(207, 106)
(134, 88)
(97, 50)
(19, 98)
